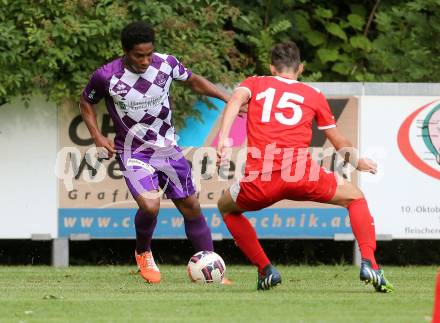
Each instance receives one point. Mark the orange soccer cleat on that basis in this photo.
(147, 267)
(226, 281)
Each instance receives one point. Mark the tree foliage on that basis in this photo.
(52, 46)
(195, 32)
(330, 36)
(337, 41)
(408, 43)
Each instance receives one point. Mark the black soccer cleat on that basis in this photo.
(375, 277)
(270, 279)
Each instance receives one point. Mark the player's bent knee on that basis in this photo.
(189, 207)
(195, 207)
(149, 208)
(221, 204)
(192, 213)
(357, 194)
(150, 211)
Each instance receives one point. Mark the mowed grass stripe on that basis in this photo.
(118, 294)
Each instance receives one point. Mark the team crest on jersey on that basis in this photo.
(419, 139)
(161, 79)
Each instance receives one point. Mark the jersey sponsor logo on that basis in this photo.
(419, 139)
(144, 104)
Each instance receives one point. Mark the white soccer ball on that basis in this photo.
(206, 267)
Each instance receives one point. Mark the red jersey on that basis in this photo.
(280, 115)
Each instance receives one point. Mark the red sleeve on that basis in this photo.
(324, 116)
(248, 84)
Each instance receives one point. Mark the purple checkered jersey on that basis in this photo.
(139, 104)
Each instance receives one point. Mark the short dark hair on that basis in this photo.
(137, 32)
(285, 55)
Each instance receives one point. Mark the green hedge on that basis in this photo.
(52, 47)
(400, 44)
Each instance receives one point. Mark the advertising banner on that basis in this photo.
(28, 186)
(403, 135)
(94, 199)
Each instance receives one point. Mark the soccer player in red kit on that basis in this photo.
(278, 166)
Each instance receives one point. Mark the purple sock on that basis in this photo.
(199, 234)
(144, 225)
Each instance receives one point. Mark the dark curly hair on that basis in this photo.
(137, 32)
(285, 55)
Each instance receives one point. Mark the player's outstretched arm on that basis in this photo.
(202, 86)
(239, 98)
(88, 113)
(344, 147)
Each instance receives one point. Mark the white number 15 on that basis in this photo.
(284, 103)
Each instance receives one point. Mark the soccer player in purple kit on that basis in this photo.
(136, 91)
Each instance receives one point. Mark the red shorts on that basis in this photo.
(317, 185)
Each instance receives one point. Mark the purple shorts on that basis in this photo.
(148, 170)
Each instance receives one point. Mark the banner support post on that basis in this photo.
(60, 253)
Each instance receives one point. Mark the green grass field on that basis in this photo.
(118, 294)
